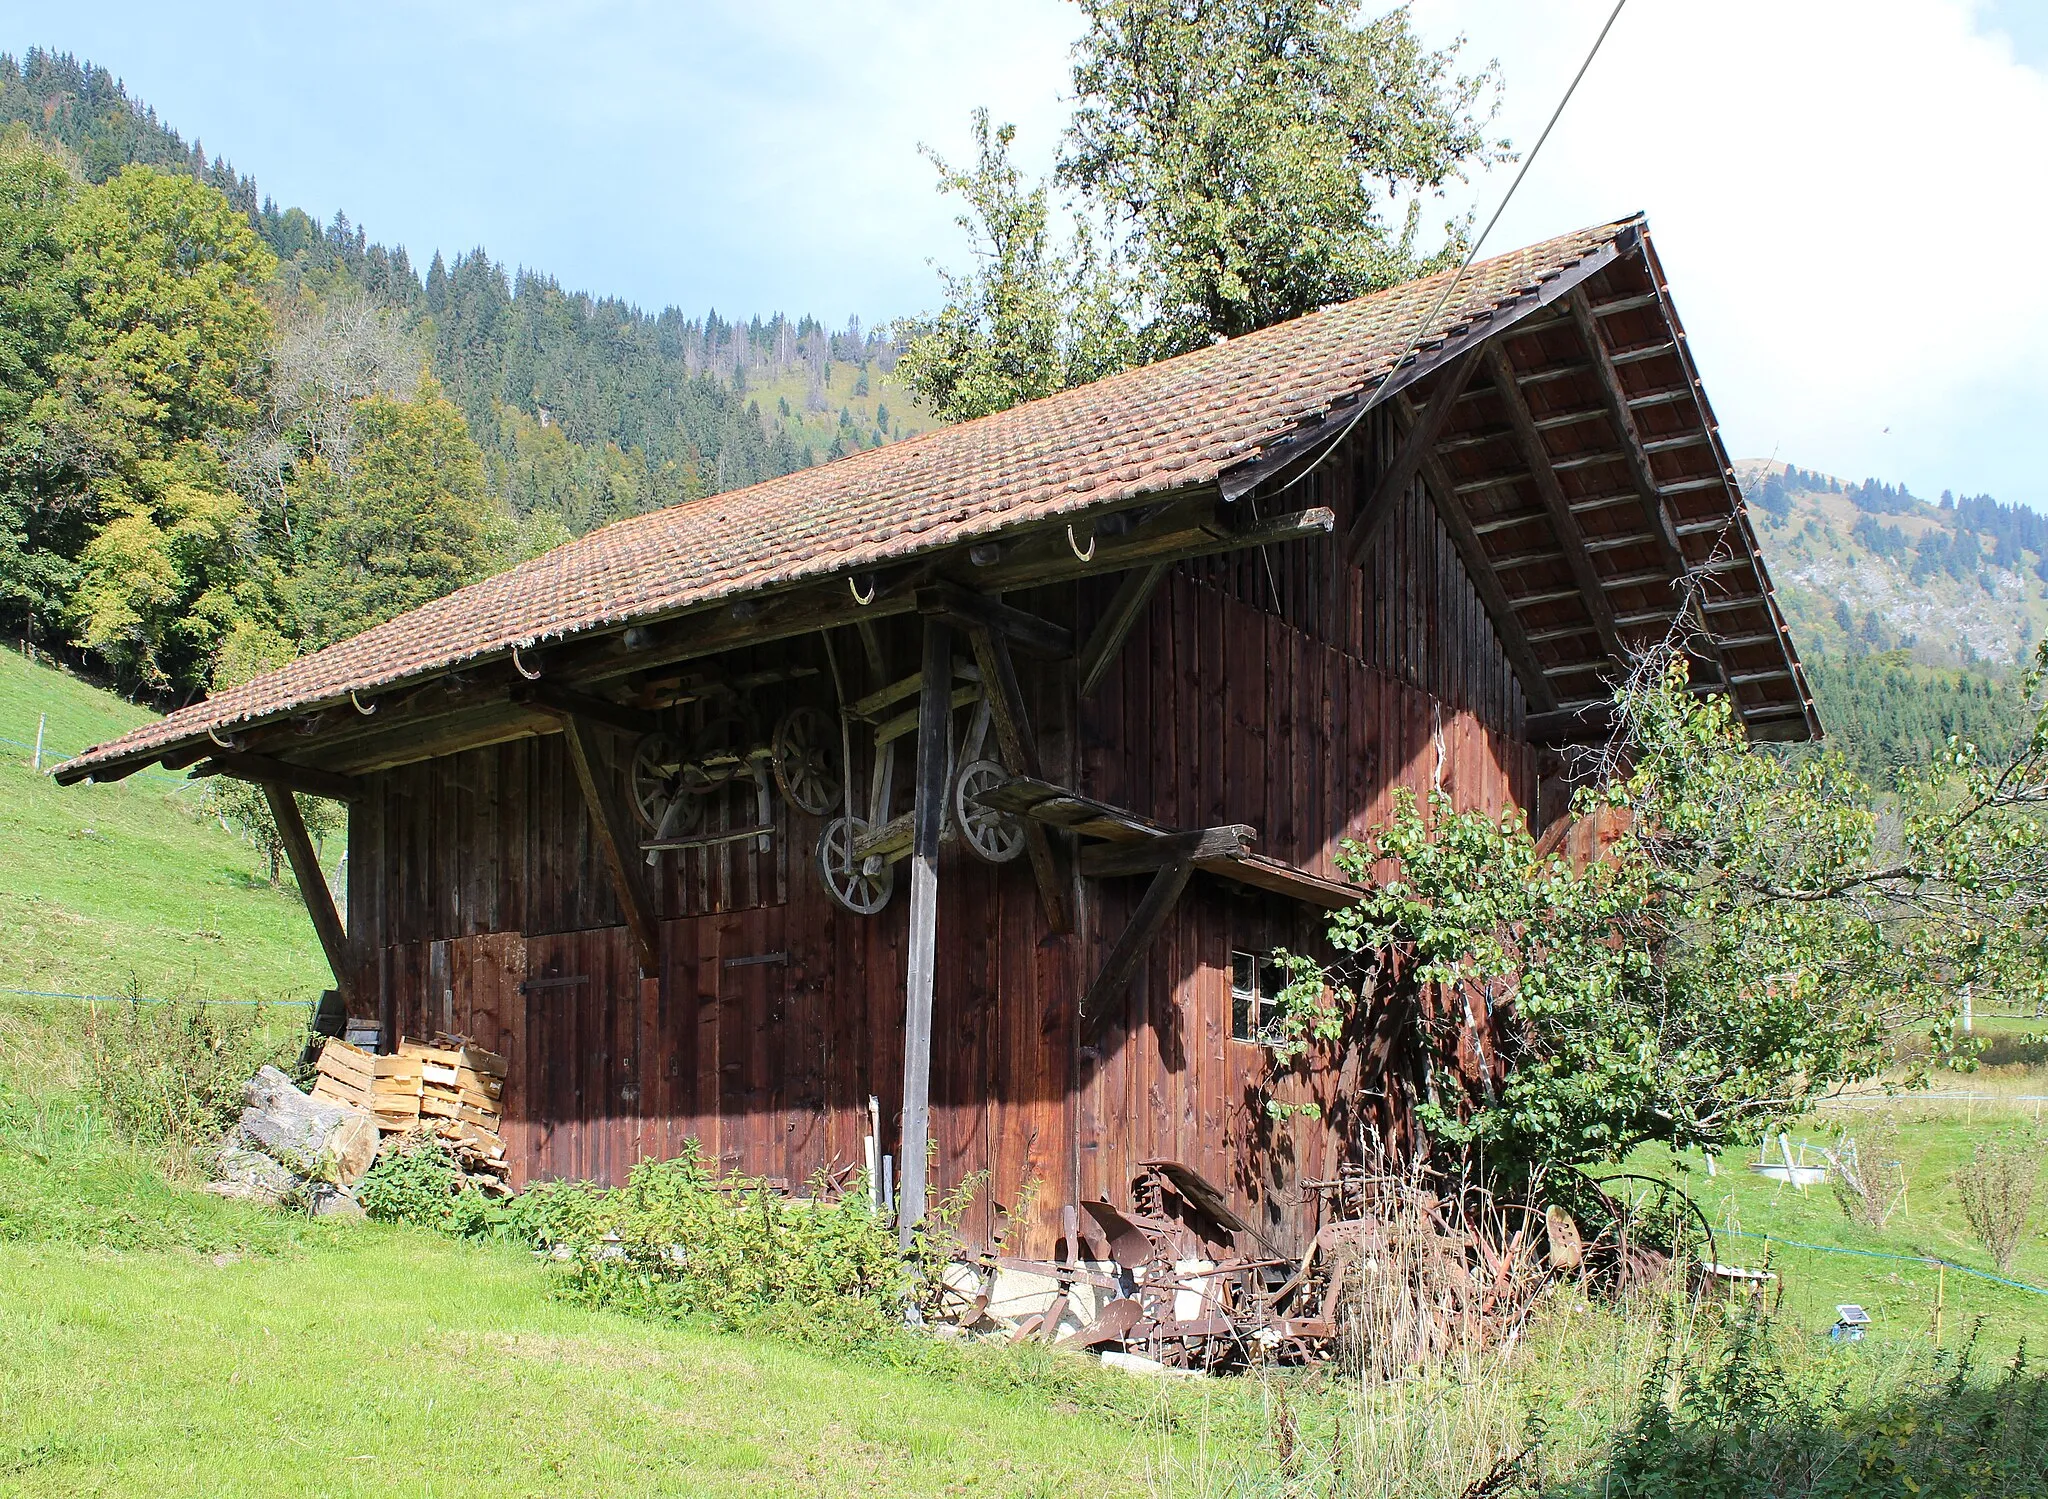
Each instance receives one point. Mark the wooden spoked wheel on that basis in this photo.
(863, 887)
(997, 837)
(658, 762)
(805, 760)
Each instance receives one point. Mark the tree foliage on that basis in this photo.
(1035, 317)
(1756, 934)
(410, 521)
(1232, 162)
(1247, 146)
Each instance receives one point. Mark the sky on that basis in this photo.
(1848, 195)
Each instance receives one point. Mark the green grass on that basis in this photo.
(129, 887)
(406, 1363)
(1935, 1138)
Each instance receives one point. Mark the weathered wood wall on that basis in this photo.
(1281, 689)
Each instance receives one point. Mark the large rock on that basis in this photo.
(317, 1138)
(252, 1176)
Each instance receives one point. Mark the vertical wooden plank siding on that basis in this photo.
(1285, 691)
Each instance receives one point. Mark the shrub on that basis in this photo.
(675, 1241)
(169, 1074)
(416, 1181)
(1866, 1173)
(1997, 1190)
(1748, 1418)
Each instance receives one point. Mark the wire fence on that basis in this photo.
(154, 999)
(1929, 1260)
(53, 756)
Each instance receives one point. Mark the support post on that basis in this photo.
(935, 712)
(608, 819)
(298, 847)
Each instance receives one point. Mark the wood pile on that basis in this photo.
(449, 1087)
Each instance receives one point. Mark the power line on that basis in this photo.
(1472, 251)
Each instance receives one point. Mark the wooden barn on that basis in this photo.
(954, 791)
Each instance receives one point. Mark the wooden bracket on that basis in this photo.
(298, 847)
(1106, 642)
(976, 611)
(609, 821)
(1130, 949)
(263, 769)
(1400, 474)
(1019, 749)
(1102, 861)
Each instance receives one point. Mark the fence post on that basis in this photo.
(41, 719)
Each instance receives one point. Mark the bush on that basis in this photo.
(1997, 1190)
(416, 1181)
(674, 1241)
(169, 1074)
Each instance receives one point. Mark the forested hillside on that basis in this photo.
(1863, 567)
(231, 431)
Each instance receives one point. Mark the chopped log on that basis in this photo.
(311, 1136)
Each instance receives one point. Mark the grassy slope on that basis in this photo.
(108, 888)
(410, 1364)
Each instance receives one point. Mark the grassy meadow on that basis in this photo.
(158, 1339)
(133, 887)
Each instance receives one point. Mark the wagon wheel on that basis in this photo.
(657, 776)
(802, 753)
(862, 888)
(996, 836)
(714, 760)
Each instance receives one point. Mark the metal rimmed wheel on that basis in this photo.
(862, 887)
(657, 777)
(803, 753)
(997, 837)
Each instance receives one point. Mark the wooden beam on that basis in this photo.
(609, 821)
(1619, 412)
(559, 699)
(1537, 458)
(928, 815)
(1400, 474)
(298, 847)
(1126, 608)
(1514, 637)
(1102, 861)
(302, 778)
(1131, 947)
(971, 610)
(1019, 749)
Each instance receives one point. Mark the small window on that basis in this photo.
(1255, 985)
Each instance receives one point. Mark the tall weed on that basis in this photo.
(1997, 1187)
(169, 1074)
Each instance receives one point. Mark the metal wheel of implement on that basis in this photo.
(862, 888)
(804, 755)
(657, 776)
(997, 837)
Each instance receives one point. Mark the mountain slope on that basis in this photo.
(653, 407)
(1870, 567)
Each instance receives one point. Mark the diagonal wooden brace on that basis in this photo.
(1130, 949)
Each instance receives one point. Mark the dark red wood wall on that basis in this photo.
(1280, 689)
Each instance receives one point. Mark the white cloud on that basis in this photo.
(1847, 197)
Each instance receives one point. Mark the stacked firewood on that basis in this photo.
(449, 1087)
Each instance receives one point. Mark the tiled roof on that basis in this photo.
(1169, 425)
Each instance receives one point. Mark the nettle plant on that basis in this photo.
(1761, 927)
